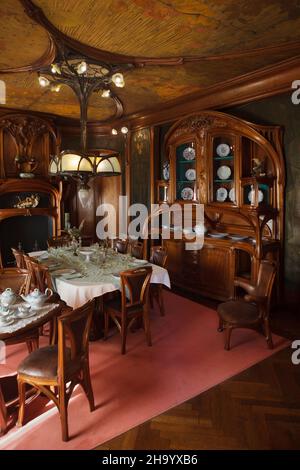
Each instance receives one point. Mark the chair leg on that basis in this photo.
(3, 414)
(21, 388)
(29, 346)
(228, 331)
(63, 412)
(87, 386)
(123, 337)
(268, 334)
(106, 321)
(221, 325)
(161, 301)
(35, 344)
(151, 299)
(147, 327)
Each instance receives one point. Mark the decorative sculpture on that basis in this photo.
(29, 202)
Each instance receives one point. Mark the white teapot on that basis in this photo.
(36, 298)
(8, 297)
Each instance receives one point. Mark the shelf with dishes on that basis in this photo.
(223, 171)
(185, 171)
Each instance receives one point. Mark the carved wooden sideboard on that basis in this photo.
(236, 170)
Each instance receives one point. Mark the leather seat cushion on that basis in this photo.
(238, 312)
(42, 363)
(116, 306)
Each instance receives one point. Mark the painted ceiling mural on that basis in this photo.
(227, 38)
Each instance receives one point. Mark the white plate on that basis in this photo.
(140, 261)
(218, 235)
(238, 237)
(232, 195)
(60, 272)
(187, 194)
(30, 313)
(224, 172)
(221, 194)
(251, 196)
(190, 174)
(166, 171)
(189, 153)
(6, 322)
(223, 150)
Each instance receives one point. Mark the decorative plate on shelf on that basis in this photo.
(217, 234)
(166, 171)
(224, 172)
(251, 196)
(223, 150)
(221, 194)
(189, 153)
(190, 174)
(237, 237)
(232, 195)
(187, 194)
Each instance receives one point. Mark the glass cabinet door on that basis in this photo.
(185, 171)
(223, 170)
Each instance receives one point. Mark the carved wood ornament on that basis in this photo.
(26, 131)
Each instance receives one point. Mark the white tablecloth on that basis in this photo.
(76, 292)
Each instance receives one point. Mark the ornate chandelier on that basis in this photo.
(84, 77)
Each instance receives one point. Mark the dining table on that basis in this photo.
(81, 275)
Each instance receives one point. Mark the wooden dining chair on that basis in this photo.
(58, 242)
(56, 370)
(28, 260)
(41, 275)
(159, 257)
(253, 310)
(121, 245)
(125, 311)
(19, 257)
(137, 250)
(15, 278)
(19, 281)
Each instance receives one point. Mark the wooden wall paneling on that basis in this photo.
(2, 170)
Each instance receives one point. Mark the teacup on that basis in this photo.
(24, 309)
(4, 310)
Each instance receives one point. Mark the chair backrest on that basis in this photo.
(135, 285)
(19, 257)
(265, 280)
(137, 250)
(16, 278)
(73, 333)
(41, 275)
(159, 256)
(28, 263)
(58, 242)
(121, 245)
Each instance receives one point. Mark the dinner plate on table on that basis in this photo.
(140, 261)
(61, 272)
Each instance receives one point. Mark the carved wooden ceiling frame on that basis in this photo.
(58, 40)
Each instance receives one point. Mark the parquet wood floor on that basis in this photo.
(257, 409)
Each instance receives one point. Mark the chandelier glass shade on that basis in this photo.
(70, 162)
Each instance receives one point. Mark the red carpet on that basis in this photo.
(187, 358)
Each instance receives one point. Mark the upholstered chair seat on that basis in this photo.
(42, 363)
